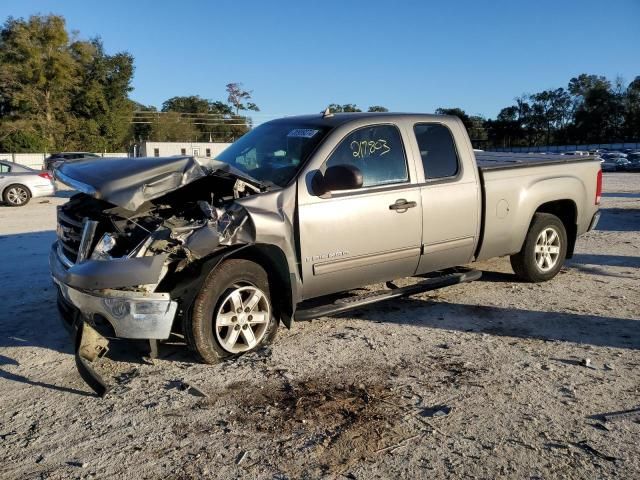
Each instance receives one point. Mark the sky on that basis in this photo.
(410, 56)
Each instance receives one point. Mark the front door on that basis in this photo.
(366, 235)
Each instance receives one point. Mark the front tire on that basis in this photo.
(544, 250)
(16, 195)
(232, 313)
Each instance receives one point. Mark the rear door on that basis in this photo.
(450, 195)
(362, 236)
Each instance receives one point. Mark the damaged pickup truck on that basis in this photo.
(299, 209)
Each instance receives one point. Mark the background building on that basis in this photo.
(166, 149)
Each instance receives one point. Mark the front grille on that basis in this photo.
(69, 235)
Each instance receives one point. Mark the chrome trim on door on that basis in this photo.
(365, 260)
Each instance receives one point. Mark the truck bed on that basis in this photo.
(514, 185)
(502, 160)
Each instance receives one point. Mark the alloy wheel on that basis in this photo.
(242, 319)
(17, 195)
(547, 249)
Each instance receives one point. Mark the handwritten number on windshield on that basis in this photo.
(369, 148)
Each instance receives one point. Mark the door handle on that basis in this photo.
(402, 204)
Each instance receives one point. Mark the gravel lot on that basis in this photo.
(481, 380)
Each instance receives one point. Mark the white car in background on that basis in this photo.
(19, 184)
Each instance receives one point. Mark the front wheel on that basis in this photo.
(544, 249)
(16, 195)
(232, 313)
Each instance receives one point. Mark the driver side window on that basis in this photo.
(377, 151)
(4, 168)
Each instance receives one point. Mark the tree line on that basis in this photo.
(591, 110)
(59, 92)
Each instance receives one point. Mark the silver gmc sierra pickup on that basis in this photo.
(222, 250)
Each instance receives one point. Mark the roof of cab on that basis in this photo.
(337, 119)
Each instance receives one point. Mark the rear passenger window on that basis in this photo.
(377, 151)
(437, 149)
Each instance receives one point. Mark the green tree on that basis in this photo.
(377, 108)
(142, 122)
(191, 104)
(237, 98)
(60, 93)
(211, 120)
(100, 104)
(173, 127)
(346, 108)
(632, 111)
(551, 111)
(475, 124)
(597, 118)
(37, 78)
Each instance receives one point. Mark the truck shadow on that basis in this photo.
(619, 220)
(22, 379)
(621, 195)
(509, 322)
(605, 260)
(597, 265)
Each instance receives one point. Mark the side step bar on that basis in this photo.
(345, 304)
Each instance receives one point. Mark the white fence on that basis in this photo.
(568, 148)
(36, 160)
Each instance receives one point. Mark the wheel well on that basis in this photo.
(274, 261)
(567, 212)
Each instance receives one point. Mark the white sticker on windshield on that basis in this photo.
(302, 132)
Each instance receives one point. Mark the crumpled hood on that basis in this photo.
(129, 182)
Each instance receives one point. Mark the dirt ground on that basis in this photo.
(481, 380)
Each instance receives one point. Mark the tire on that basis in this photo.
(16, 195)
(212, 326)
(544, 250)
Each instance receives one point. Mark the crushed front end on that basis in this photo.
(115, 267)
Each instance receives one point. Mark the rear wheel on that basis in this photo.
(544, 250)
(16, 195)
(232, 314)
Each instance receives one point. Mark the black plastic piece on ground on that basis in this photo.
(85, 369)
(344, 305)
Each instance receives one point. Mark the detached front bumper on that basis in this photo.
(131, 314)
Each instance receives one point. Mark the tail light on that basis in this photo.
(46, 175)
(599, 187)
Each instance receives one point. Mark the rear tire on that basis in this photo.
(544, 250)
(232, 314)
(16, 195)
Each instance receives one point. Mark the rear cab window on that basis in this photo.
(437, 150)
(377, 151)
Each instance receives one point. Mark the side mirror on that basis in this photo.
(337, 177)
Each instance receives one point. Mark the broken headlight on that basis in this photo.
(104, 246)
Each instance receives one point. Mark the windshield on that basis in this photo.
(274, 152)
